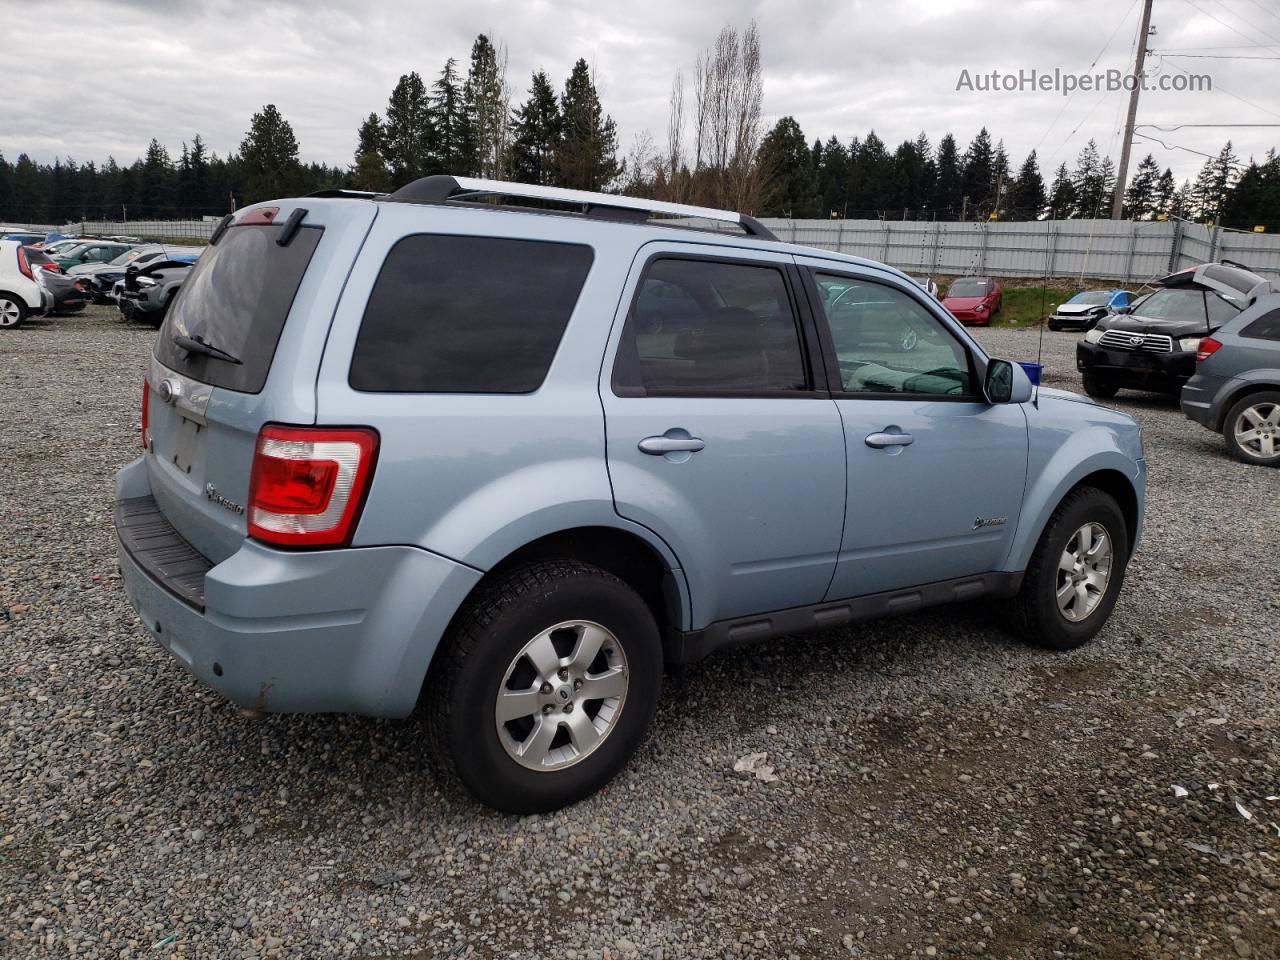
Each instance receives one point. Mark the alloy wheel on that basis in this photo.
(1257, 431)
(9, 313)
(562, 695)
(1084, 570)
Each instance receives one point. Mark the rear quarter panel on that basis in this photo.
(474, 477)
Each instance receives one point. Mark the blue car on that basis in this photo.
(1087, 307)
(511, 461)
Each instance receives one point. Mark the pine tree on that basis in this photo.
(1214, 181)
(978, 182)
(409, 142)
(1165, 189)
(1027, 196)
(487, 106)
(1140, 200)
(269, 155)
(948, 186)
(833, 178)
(369, 171)
(157, 170)
(1001, 178)
(1254, 200)
(1093, 180)
(587, 158)
(1062, 195)
(786, 165)
(454, 140)
(536, 133)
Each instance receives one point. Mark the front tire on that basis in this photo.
(12, 311)
(1075, 574)
(1252, 429)
(1098, 387)
(546, 686)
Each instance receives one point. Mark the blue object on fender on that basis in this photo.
(1033, 371)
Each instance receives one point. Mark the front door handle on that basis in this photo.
(658, 446)
(889, 439)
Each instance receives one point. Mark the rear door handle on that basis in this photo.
(657, 446)
(889, 439)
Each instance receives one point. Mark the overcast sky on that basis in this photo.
(110, 74)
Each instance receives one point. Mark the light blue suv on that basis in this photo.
(509, 451)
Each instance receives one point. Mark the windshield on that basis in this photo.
(968, 288)
(1172, 305)
(124, 258)
(1091, 297)
(75, 251)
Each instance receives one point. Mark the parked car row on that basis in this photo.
(61, 276)
(1209, 335)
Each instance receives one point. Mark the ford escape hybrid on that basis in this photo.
(509, 451)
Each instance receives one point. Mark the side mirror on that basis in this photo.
(1123, 309)
(1005, 382)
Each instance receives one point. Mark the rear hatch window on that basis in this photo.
(236, 299)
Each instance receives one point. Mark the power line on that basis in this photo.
(1105, 47)
(1170, 127)
(1217, 19)
(1174, 146)
(1221, 89)
(1244, 18)
(1270, 13)
(1207, 56)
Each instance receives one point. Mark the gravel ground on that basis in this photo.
(941, 791)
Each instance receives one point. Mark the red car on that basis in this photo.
(973, 300)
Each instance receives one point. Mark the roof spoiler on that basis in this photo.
(441, 188)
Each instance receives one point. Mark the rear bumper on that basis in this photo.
(349, 631)
(1200, 400)
(1139, 369)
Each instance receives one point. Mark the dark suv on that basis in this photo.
(1152, 344)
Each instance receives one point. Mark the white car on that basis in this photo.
(21, 292)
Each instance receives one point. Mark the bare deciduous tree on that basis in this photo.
(729, 99)
(673, 183)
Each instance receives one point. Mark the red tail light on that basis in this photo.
(309, 484)
(51, 267)
(24, 266)
(1208, 347)
(146, 424)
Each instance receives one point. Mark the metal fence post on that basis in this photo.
(884, 246)
(1055, 225)
(1175, 246)
(982, 250)
(1133, 247)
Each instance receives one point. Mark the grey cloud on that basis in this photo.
(122, 71)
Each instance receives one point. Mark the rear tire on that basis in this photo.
(1069, 589)
(1099, 387)
(1252, 426)
(12, 311)
(545, 755)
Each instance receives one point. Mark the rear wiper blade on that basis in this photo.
(197, 344)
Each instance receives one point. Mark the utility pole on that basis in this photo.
(1139, 61)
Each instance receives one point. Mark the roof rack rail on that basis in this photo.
(344, 192)
(440, 188)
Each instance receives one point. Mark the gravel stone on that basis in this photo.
(1027, 793)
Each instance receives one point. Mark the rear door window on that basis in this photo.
(710, 328)
(455, 314)
(236, 299)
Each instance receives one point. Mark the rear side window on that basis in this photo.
(453, 314)
(1266, 327)
(710, 328)
(236, 299)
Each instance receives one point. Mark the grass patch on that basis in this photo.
(1027, 306)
